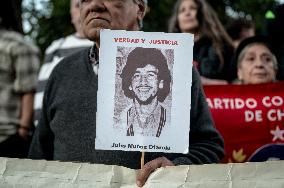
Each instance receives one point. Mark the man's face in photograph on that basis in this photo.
(145, 84)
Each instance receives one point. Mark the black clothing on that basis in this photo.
(67, 128)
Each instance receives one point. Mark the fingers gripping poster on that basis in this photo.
(144, 92)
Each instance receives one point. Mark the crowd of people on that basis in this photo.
(63, 91)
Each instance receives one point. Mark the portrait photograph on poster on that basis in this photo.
(144, 91)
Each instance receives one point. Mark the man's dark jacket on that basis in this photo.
(67, 128)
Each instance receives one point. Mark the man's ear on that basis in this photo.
(161, 84)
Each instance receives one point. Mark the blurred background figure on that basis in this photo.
(275, 31)
(213, 48)
(19, 64)
(240, 29)
(255, 61)
(56, 52)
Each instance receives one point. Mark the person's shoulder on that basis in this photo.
(17, 44)
(70, 41)
(195, 74)
(204, 41)
(54, 45)
(79, 55)
(196, 80)
(73, 41)
(12, 36)
(201, 46)
(69, 67)
(76, 60)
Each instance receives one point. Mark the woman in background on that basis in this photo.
(213, 48)
(255, 61)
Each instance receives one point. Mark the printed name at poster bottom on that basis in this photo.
(142, 147)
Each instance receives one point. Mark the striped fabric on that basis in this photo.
(53, 55)
(19, 65)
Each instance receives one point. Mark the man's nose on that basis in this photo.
(259, 63)
(143, 79)
(187, 12)
(98, 5)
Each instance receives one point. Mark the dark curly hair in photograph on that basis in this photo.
(139, 58)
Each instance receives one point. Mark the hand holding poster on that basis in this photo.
(144, 91)
(251, 120)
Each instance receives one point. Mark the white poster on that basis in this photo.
(144, 91)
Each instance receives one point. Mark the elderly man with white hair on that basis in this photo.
(67, 128)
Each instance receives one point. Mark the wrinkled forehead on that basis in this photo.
(257, 47)
(251, 50)
(135, 1)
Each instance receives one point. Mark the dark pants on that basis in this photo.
(15, 147)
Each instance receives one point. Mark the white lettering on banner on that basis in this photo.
(253, 116)
(228, 103)
(218, 104)
(275, 115)
(235, 103)
(251, 103)
(209, 103)
(239, 103)
(273, 101)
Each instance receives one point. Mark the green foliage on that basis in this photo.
(56, 25)
(50, 23)
(54, 21)
(255, 9)
(159, 12)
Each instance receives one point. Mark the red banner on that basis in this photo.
(250, 119)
